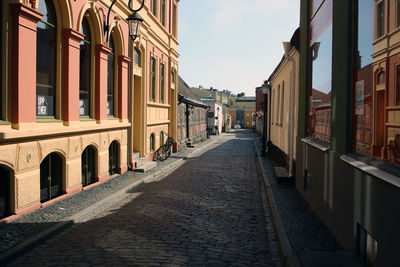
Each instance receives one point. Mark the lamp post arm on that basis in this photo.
(135, 10)
(107, 26)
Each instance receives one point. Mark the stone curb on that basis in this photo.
(290, 259)
(93, 210)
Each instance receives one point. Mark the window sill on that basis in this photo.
(83, 119)
(5, 122)
(312, 143)
(47, 120)
(112, 118)
(371, 170)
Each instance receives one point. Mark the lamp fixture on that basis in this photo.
(134, 21)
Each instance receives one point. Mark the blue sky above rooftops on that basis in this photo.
(233, 44)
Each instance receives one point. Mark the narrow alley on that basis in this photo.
(209, 211)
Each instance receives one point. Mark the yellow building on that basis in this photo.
(283, 107)
(77, 101)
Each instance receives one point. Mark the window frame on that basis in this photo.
(152, 142)
(153, 67)
(154, 7)
(282, 102)
(56, 54)
(114, 83)
(91, 91)
(380, 24)
(162, 82)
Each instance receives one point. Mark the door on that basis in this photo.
(88, 166)
(4, 192)
(51, 172)
(113, 152)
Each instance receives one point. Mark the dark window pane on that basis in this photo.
(85, 70)
(51, 173)
(154, 7)
(163, 12)
(137, 57)
(110, 79)
(162, 83)
(379, 19)
(46, 61)
(153, 79)
(4, 192)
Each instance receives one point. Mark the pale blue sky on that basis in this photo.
(233, 44)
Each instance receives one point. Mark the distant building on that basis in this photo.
(215, 116)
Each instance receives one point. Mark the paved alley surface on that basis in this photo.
(209, 212)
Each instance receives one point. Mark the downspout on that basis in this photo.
(287, 46)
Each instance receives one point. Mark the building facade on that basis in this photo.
(192, 118)
(215, 116)
(347, 165)
(283, 107)
(76, 100)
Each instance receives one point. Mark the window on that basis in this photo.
(162, 82)
(174, 22)
(46, 60)
(398, 12)
(152, 145)
(277, 104)
(173, 77)
(272, 106)
(85, 76)
(379, 19)
(154, 7)
(137, 57)
(282, 101)
(161, 138)
(111, 79)
(153, 79)
(319, 110)
(163, 12)
(363, 87)
(398, 85)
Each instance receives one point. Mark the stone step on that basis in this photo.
(144, 167)
(281, 172)
(141, 161)
(135, 155)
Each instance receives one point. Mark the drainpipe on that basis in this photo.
(287, 47)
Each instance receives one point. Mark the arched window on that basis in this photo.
(161, 138)
(137, 57)
(113, 157)
(88, 166)
(46, 60)
(51, 174)
(162, 82)
(152, 139)
(111, 79)
(5, 207)
(85, 69)
(163, 12)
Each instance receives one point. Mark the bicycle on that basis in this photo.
(164, 151)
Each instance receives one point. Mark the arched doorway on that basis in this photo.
(5, 207)
(113, 154)
(88, 166)
(51, 174)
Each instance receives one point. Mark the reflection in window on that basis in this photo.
(319, 120)
(85, 70)
(46, 60)
(111, 78)
(162, 82)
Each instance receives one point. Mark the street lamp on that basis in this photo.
(266, 87)
(134, 21)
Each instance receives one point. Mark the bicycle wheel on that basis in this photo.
(163, 152)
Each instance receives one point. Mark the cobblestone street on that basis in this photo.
(209, 212)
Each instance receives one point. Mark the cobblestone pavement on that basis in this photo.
(33, 223)
(209, 212)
